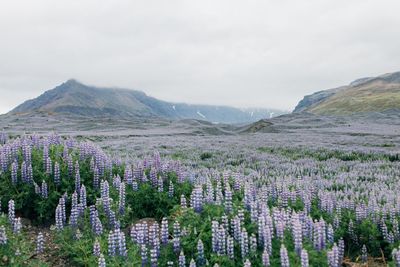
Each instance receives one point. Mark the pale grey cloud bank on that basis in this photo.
(242, 53)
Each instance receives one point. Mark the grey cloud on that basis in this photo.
(240, 53)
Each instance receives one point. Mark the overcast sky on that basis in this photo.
(266, 53)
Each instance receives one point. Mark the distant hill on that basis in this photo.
(372, 94)
(73, 97)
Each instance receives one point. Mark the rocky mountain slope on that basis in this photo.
(372, 94)
(73, 97)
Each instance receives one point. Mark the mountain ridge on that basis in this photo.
(370, 94)
(74, 97)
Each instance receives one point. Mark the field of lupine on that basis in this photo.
(69, 203)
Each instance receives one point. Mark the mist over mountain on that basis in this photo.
(371, 94)
(73, 97)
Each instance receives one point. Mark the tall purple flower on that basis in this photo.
(183, 202)
(364, 255)
(40, 243)
(111, 244)
(57, 179)
(304, 258)
(153, 258)
(44, 191)
(284, 257)
(121, 201)
(143, 254)
(3, 235)
(244, 243)
(102, 261)
(171, 189)
(96, 248)
(164, 231)
(333, 257)
(177, 237)
(14, 172)
(11, 211)
(182, 259)
(200, 254)
(59, 218)
(265, 259)
(17, 226)
(77, 179)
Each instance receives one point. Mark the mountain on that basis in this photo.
(73, 97)
(371, 94)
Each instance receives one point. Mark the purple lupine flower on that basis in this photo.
(236, 225)
(221, 241)
(228, 199)
(57, 179)
(304, 258)
(98, 227)
(92, 216)
(265, 258)
(111, 244)
(40, 243)
(197, 199)
(284, 256)
(244, 243)
(135, 186)
(177, 237)
(43, 190)
(330, 234)
(341, 249)
(11, 211)
(297, 235)
(45, 156)
(364, 255)
(24, 172)
(59, 218)
(82, 197)
(230, 247)
(253, 243)
(96, 177)
(73, 219)
(74, 203)
(183, 202)
(112, 219)
(164, 231)
(214, 236)
(171, 189)
(14, 172)
(247, 263)
(3, 235)
(122, 245)
(102, 261)
(160, 185)
(153, 258)
(29, 173)
(61, 202)
(192, 263)
(182, 259)
(96, 248)
(200, 253)
(77, 179)
(121, 201)
(143, 254)
(49, 166)
(17, 225)
(333, 257)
